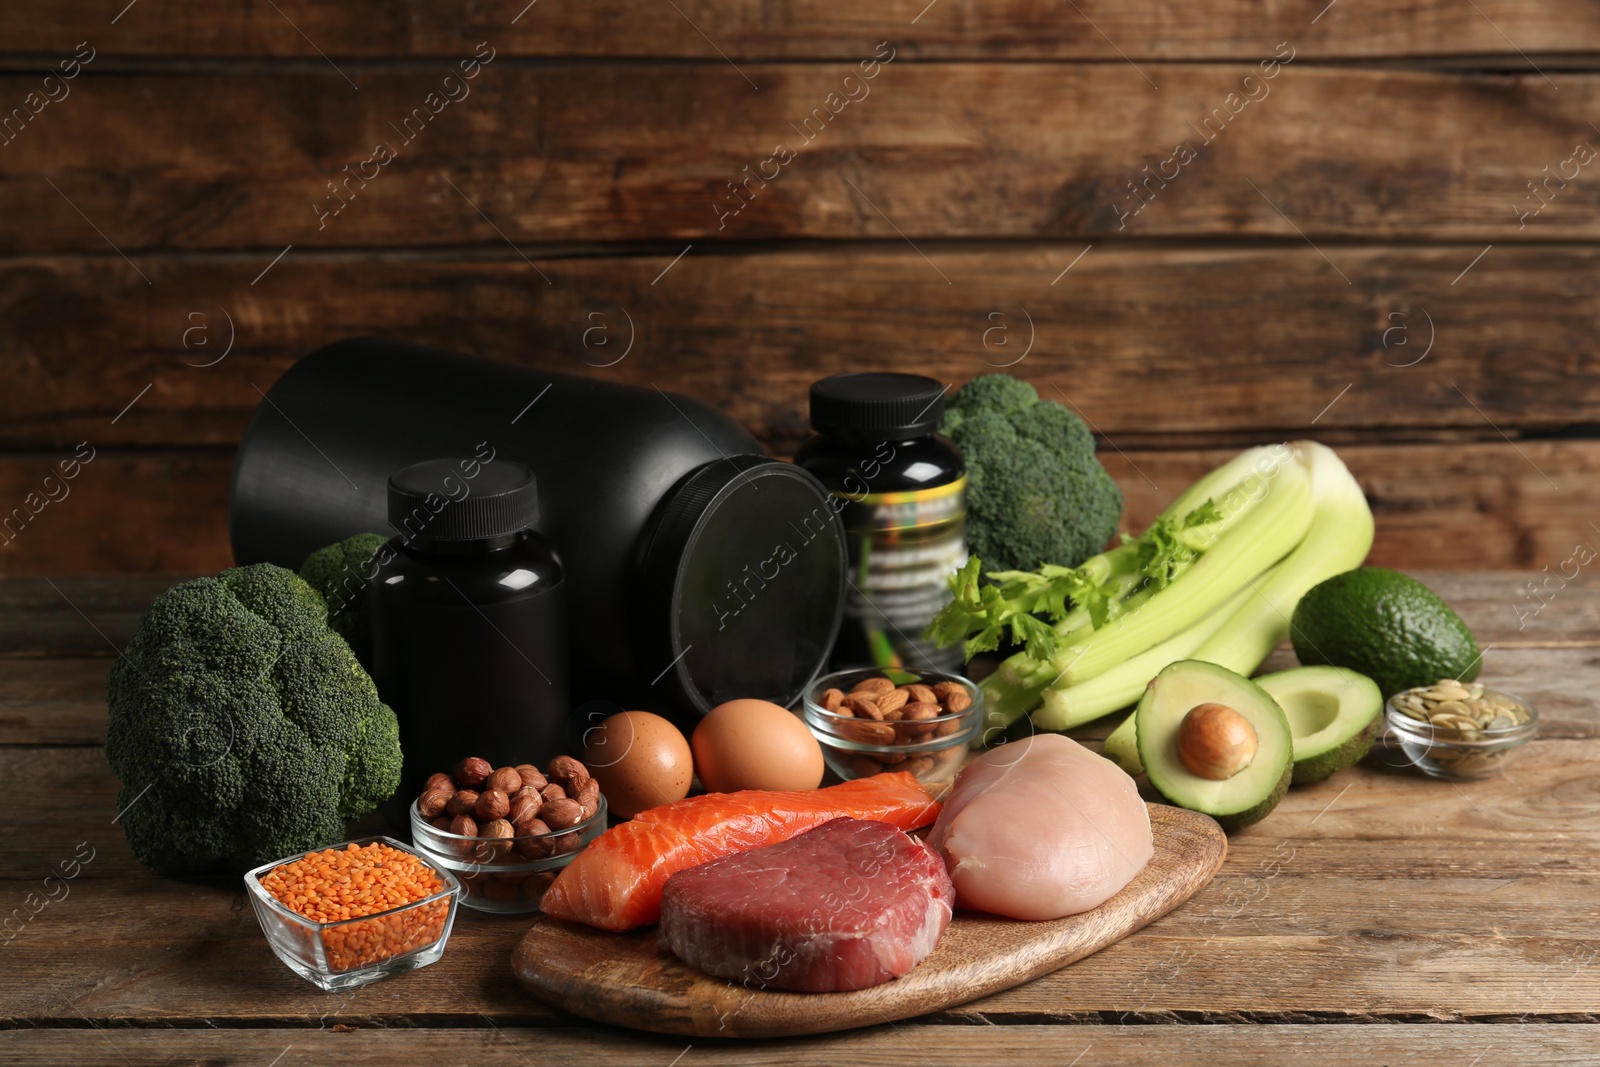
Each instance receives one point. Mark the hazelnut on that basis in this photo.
(472, 772)
(439, 781)
(530, 841)
(531, 777)
(525, 806)
(433, 802)
(564, 843)
(492, 804)
(553, 792)
(500, 832)
(506, 780)
(464, 825)
(561, 814)
(441, 823)
(463, 803)
(564, 767)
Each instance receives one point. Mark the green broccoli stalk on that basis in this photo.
(242, 727)
(1035, 492)
(340, 573)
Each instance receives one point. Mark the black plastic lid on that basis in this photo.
(877, 405)
(742, 584)
(462, 500)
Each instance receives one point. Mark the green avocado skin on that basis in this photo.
(1240, 819)
(1316, 768)
(1386, 625)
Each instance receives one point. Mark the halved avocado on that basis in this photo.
(1214, 742)
(1334, 716)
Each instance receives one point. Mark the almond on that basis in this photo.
(864, 707)
(922, 694)
(892, 701)
(872, 687)
(831, 699)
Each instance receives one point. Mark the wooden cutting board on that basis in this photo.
(625, 979)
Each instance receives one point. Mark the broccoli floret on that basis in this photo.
(242, 727)
(340, 572)
(1035, 492)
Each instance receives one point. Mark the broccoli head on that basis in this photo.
(340, 572)
(242, 727)
(1035, 491)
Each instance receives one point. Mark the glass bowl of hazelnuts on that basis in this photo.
(507, 832)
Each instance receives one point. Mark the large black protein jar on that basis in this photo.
(469, 621)
(697, 570)
(902, 488)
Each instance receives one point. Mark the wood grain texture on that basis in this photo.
(628, 980)
(1225, 1045)
(1143, 341)
(1438, 506)
(933, 151)
(1091, 29)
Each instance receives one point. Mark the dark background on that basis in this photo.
(1371, 204)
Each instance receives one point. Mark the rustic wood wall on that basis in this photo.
(1371, 223)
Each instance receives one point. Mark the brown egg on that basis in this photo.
(755, 744)
(640, 760)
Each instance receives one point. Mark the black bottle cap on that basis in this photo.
(878, 406)
(462, 500)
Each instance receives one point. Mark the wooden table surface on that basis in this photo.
(1371, 919)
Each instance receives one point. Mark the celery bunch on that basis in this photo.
(1203, 581)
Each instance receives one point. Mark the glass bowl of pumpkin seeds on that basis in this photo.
(1459, 730)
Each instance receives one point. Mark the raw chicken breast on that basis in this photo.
(1042, 828)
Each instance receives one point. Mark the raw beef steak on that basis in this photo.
(848, 905)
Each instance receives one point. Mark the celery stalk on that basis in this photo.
(1265, 517)
(1067, 706)
(1340, 534)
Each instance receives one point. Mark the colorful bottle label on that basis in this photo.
(903, 548)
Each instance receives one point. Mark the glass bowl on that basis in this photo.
(499, 875)
(854, 747)
(1437, 738)
(343, 955)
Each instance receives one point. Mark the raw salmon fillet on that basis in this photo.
(616, 882)
(845, 906)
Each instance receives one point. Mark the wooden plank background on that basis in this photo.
(1390, 244)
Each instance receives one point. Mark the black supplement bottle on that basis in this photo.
(901, 490)
(469, 619)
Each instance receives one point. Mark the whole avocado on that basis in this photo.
(242, 727)
(1386, 625)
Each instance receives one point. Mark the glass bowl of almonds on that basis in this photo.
(869, 721)
(1459, 730)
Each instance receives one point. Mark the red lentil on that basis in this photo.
(336, 885)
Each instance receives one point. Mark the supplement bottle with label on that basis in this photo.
(901, 491)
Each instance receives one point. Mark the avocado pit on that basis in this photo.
(1215, 742)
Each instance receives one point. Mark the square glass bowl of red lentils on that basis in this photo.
(353, 913)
